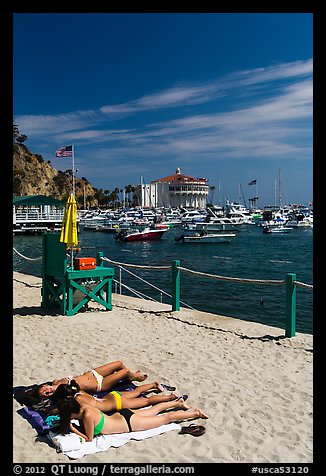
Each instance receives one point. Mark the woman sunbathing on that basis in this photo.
(116, 400)
(95, 422)
(99, 379)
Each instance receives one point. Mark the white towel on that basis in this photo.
(69, 442)
(75, 447)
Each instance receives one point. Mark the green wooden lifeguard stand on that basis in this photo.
(61, 283)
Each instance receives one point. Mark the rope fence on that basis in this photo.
(26, 257)
(289, 282)
(134, 265)
(236, 280)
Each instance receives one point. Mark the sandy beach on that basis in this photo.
(254, 384)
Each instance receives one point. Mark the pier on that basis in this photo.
(36, 214)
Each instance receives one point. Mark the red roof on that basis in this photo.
(179, 178)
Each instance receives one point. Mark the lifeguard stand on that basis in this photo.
(68, 288)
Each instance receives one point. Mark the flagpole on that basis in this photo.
(73, 169)
(73, 192)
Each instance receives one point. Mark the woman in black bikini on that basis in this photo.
(95, 422)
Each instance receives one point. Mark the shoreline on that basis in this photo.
(254, 384)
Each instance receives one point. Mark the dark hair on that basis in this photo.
(64, 396)
(65, 390)
(31, 398)
(28, 396)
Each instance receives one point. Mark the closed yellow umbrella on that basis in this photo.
(69, 225)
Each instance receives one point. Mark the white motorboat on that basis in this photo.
(206, 238)
(218, 224)
(276, 229)
(193, 216)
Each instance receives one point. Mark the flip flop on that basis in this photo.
(168, 387)
(183, 397)
(194, 430)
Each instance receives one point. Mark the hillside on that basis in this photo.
(32, 175)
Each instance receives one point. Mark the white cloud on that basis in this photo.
(267, 125)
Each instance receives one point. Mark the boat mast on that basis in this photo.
(244, 200)
(141, 191)
(279, 189)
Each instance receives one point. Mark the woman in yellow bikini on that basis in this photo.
(95, 422)
(115, 400)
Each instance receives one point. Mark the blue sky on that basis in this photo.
(225, 96)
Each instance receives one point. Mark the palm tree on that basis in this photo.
(212, 188)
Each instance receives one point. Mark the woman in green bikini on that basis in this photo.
(95, 422)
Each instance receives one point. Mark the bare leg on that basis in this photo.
(137, 376)
(160, 407)
(147, 387)
(111, 380)
(142, 402)
(139, 422)
(108, 369)
(155, 399)
(123, 374)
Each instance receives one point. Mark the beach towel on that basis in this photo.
(76, 447)
(39, 420)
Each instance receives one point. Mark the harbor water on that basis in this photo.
(251, 254)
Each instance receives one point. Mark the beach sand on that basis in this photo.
(254, 384)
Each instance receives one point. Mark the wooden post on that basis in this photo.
(175, 285)
(290, 304)
(99, 261)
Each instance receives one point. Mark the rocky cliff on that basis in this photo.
(32, 175)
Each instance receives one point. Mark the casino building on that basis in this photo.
(175, 190)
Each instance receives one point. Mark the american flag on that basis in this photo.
(65, 151)
(252, 182)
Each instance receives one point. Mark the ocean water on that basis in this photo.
(251, 254)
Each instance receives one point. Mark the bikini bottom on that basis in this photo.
(127, 414)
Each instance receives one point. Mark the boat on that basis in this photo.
(238, 214)
(193, 216)
(206, 238)
(276, 229)
(218, 224)
(141, 235)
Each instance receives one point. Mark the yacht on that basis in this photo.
(238, 214)
(192, 216)
(217, 224)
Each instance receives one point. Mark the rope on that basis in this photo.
(122, 266)
(274, 282)
(154, 287)
(26, 257)
(134, 265)
(137, 293)
(238, 280)
(303, 285)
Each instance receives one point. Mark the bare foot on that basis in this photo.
(173, 396)
(181, 404)
(138, 376)
(159, 387)
(200, 413)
